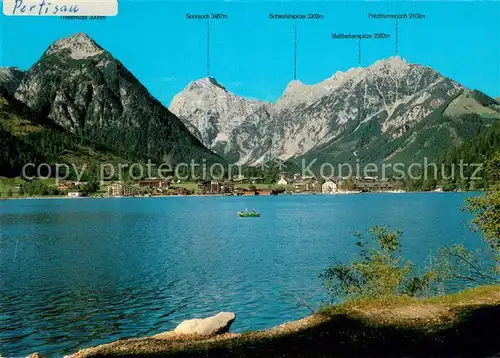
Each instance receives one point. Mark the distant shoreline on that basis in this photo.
(222, 195)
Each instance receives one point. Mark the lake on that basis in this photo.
(76, 273)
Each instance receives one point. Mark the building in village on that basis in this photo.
(63, 187)
(205, 186)
(371, 184)
(329, 187)
(227, 187)
(282, 181)
(306, 185)
(71, 185)
(214, 187)
(154, 186)
(181, 191)
(119, 189)
(154, 183)
(299, 186)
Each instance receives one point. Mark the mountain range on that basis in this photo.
(377, 113)
(79, 102)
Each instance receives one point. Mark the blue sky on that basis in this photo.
(253, 56)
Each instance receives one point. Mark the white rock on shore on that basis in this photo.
(219, 323)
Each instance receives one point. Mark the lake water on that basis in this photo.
(81, 272)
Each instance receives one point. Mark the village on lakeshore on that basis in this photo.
(285, 184)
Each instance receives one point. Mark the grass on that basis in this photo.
(187, 185)
(15, 124)
(465, 103)
(7, 184)
(14, 183)
(463, 324)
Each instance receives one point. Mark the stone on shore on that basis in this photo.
(35, 355)
(219, 323)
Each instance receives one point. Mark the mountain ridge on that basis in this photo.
(396, 93)
(380, 111)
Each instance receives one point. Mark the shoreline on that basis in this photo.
(244, 196)
(442, 319)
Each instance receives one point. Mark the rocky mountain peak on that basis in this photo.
(294, 85)
(395, 63)
(206, 83)
(213, 111)
(79, 46)
(295, 92)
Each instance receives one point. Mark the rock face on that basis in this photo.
(220, 119)
(219, 323)
(10, 78)
(85, 90)
(392, 94)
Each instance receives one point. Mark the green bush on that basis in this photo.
(380, 270)
(37, 188)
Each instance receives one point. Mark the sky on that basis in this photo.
(253, 56)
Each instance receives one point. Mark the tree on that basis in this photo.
(91, 186)
(486, 208)
(482, 146)
(9, 193)
(457, 265)
(380, 270)
(429, 184)
(53, 191)
(347, 184)
(35, 187)
(270, 178)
